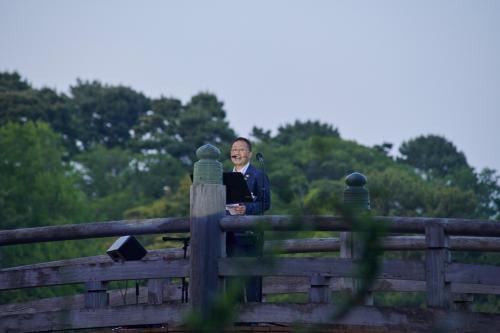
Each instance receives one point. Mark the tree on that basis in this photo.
(398, 192)
(261, 135)
(157, 130)
(175, 202)
(385, 147)
(154, 173)
(488, 192)
(36, 187)
(12, 82)
(203, 121)
(21, 103)
(179, 130)
(303, 130)
(106, 114)
(104, 170)
(433, 155)
(21, 107)
(299, 130)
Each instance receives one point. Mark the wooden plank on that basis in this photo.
(319, 291)
(94, 230)
(283, 223)
(302, 245)
(473, 274)
(332, 267)
(346, 252)
(456, 243)
(117, 297)
(89, 318)
(398, 285)
(155, 290)
(42, 305)
(271, 285)
(284, 285)
(299, 284)
(110, 271)
(402, 270)
(242, 266)
(437, 256)
(404, 320)
(95, 294)
(207, 208)
(462, 302)
(471, 288)
(239, 223)
(152, 255)
(466, 227)
(407, 320)
(470, 243)
(390, 243)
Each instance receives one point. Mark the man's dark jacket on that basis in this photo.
(251, 244)
(258, 184)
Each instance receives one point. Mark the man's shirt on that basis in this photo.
(244, 170)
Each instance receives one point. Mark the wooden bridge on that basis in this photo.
(449, 286)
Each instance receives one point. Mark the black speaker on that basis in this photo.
(126, 248)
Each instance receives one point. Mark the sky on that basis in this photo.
(379, 71)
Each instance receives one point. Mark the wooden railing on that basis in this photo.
(159, 300)
(447, 285)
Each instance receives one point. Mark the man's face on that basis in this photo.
(240, 155)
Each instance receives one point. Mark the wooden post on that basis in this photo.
(358, 197)
(208, 199)
(223, 254)
(319, 290)
(346, 253)
(437, 256)
(96, 295)
(462, 302)
(155, 290)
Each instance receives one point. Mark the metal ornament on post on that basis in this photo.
(207, 170)
(355, 193)
(357, 197)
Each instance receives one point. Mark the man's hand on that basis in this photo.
(238, 210)
(241, 210)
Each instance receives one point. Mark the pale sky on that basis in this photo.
(377, 70)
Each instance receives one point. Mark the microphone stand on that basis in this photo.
(260, 158)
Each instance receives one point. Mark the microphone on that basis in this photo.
(259, 157)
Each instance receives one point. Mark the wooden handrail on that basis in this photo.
(466, 227)
(452, 226)
(94, 230)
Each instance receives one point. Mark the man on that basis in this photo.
(257, 181)
(248, 243)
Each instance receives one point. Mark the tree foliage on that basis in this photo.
(109, 152)
(10, 82)
(36, 187)
(175, 129)
(106, 114)
(432, 155)
(299, 130)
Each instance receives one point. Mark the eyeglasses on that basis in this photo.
(241, 150)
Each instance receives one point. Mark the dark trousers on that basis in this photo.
(248, 244)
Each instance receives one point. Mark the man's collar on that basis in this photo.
(244, 170)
